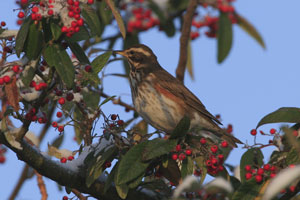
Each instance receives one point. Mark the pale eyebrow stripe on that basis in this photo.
(141, 51)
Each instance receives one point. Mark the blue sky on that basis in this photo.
(251, 82)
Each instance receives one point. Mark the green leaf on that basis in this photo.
(107, 100)
(22, 35)
(92, 20)
(117, 16)
(285, 114)
(181, 128)
(122, 190)
(131, 165)
(187, 167)
(110, 178)
(91, 99)
(253, 157)
(100, 61)
(57, 57)
(95, 166)
(224, 36)
(250, 29)
(82, 34)
(58, 141)
(77, 115)
(158, 147)
(34, 42)
(55, 30)
(29, 72)
(78, 52)
(200, 161)
(247, 191)
(104, 13)
(292, 157)
(189, 64)
(136, 182)
(169, 28)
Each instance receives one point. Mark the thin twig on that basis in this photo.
(118, 102)
(184, 38)
(41, 185)
(78, 194)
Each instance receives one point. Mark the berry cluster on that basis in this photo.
(36, 116)
(114, 123)
(181, 153)
(260, 173)
(141, 20)
(64, 160)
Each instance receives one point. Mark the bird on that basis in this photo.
(162, 100)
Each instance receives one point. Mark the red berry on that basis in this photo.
(208, 163)
(90, 1)
(64, 29)
(59, 114)
(70, 97)
(272, 175)
(54, 124)
(24, 1)
(88, 68)
(202, 140)
(248, 175)
(76, 3)
(224, 144)
(6, 79)
(63, 160)
(3, 23)
(61, 101)
(174, 156)
(65, 198)
(1, 81)
(70, 2)
(221, 157)
(182, 156)
(21, 14)
(16, 68)
(50, 12)
(273, 131)
(260, 171)
(80, 22)
(273, 168)
(71, 158)
(60, 129)
(2, 159)
(188, 152)
(71, 14)
(178, 147)
(120, 122)
(248, 168)
(107, 164)
(258, 178)
(35, 9)
(267, 167)
(292, 188)
(214, 148)
(253, 132)
(113, 117)
(214, 161)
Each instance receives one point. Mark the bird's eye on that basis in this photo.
(131, 52)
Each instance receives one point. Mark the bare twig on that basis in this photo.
(42, 186)
(78, 194)
(118, 102)
(184, 38)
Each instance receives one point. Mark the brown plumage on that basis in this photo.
(162, 100)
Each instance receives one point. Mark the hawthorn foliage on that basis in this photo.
(54, 82)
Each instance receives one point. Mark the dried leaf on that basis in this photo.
(59, 153)
(12, 94)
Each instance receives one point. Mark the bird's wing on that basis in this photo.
(175, 87)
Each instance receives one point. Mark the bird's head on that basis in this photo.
(139, 56)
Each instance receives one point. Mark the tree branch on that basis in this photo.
(184, 38)
(65, 176)
(41, 185)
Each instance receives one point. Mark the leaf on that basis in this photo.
(172, 172)
(107, 100)
(91, 99)
(82, 34)
(131, 165)
(122, 190)
(110, 178)
(77, 127)
(34, 42)
(55, 30)
(158, 147)
(92, 20)
(181, 128)
(29, 72)
(12, 94)
(285, 114)
(22, 35)
(200, 161)
(95, 166)
(59, 153)
(189, 64)
(141, 128)
(250, 29)
(187, 167)
(100, 61)
(248, 190)
(253, 157)
(57, 57)
(91, 78)
(136, 182)
(105, 14)
(117, 16)
(78, 52)
(224, 36)
(58, 141)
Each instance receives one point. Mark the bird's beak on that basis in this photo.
(122, 53)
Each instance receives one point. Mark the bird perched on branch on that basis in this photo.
(162, 100)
